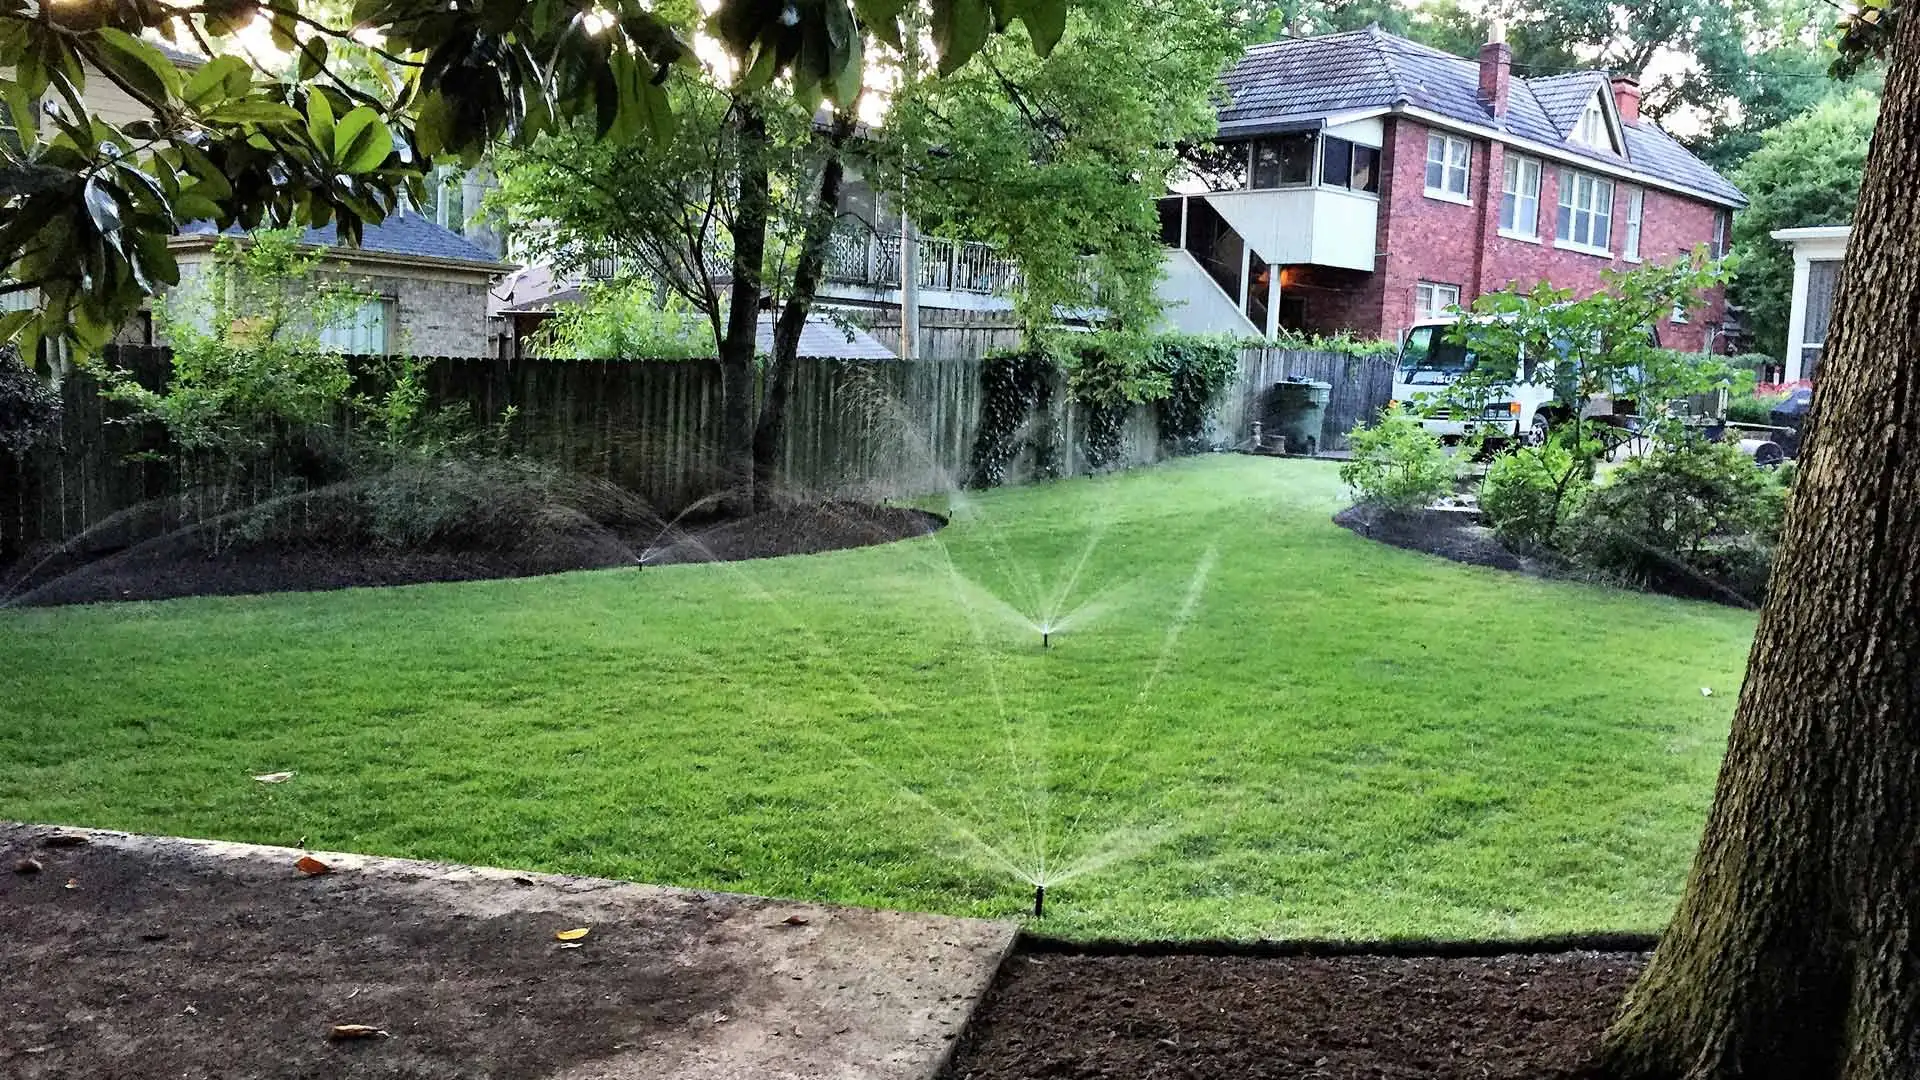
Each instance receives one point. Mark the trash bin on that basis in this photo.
(1297, 411)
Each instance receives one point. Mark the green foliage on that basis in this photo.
(1753, 408)
(1197, 369)
(248, 366)
(1595, 345)
(1342, 342)
(1013, 387)
(1530, 494)
(29, 409)
(625, 321)
(1058, 161)
(1805, 172)
(1398, 465)
(88, 200)
(1691, 516)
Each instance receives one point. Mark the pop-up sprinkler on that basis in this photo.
(1039, 901)
(1046, 639)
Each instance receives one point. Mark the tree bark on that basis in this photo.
(754, 207)
(1794, 953)
(807, 273)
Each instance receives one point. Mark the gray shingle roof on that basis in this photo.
(405, 233)
(1299, 81)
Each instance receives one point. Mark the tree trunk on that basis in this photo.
(1793, 953)
(754, 207)
(808, 270)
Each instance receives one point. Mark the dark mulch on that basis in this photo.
(1515, 1017)
(125, 967)
(178, 566)
(1450, 534)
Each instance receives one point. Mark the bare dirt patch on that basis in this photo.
(1515, 1017)
(133, 957)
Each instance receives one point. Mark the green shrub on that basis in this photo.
(1695, 517)
(1398, 465)
(1530, 495)
(29, 409)
(1014, 386)
(1197, 369)
(1753, 408)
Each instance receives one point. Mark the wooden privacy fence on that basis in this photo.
(855, 428)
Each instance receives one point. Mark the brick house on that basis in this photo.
(1363, 181)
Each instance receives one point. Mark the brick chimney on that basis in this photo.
(1626, 98)
(1496, 71)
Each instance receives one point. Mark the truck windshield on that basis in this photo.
(1429, 358)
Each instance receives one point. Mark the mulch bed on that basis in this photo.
(1448, 534)
(1147, 1017)
(180, 566)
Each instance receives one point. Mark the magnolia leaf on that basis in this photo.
(433, 126)
(312, 867)
(320, 120)
(572, 935)
(313, 57)
(883, 18)
(360, 141)
(1045, 20)
(11, 322)
(960, 28)
(254, 111)
(357, 1031)
(141, 63)
(274, 777)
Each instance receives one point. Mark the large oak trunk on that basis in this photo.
(1795, 953)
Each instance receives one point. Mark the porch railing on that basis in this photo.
(861, 257)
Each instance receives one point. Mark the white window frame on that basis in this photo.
(1590, 210)
(1636, 211)
(1435, 300)
(1720, 223)
(1455, 162)
(1594, 128)
(1520, 198)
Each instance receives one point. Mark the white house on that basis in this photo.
(1817, 253)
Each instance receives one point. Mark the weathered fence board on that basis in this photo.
(856, 429)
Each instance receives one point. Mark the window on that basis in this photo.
(1592, 128)
(364, 332)
(1283, 161)
(1447, 163)
(1822, 276)
(1720, 234)
(1586, 212)
(1679, 317)
(1432, 300)
(1344, 164)
(1366, 169)
(1636, 205)
(1520, 198)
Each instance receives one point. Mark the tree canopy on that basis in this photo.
(1805, 172)
(89, 203)
(1058, 161)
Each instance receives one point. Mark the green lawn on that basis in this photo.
(1338, 738)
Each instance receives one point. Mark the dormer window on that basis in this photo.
(1594, 129)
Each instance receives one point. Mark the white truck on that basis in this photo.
(1521, 410)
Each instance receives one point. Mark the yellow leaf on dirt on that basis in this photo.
(356, 1031)
(310, 865)
(571, 935)
(73, 883)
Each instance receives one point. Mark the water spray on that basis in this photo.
(1039, 901)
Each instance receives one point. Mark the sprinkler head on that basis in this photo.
(1039, 901)
(1046, 639)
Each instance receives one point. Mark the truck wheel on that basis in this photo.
(1536, 433)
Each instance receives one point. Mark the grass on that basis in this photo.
(1340, 739)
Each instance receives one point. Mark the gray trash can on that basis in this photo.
(1298, 410)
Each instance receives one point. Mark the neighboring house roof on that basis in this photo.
(405, 234)
(826, 340)
(1299, 82)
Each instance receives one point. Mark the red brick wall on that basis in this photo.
(1429, 239)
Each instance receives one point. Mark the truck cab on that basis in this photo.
(1520, 410)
